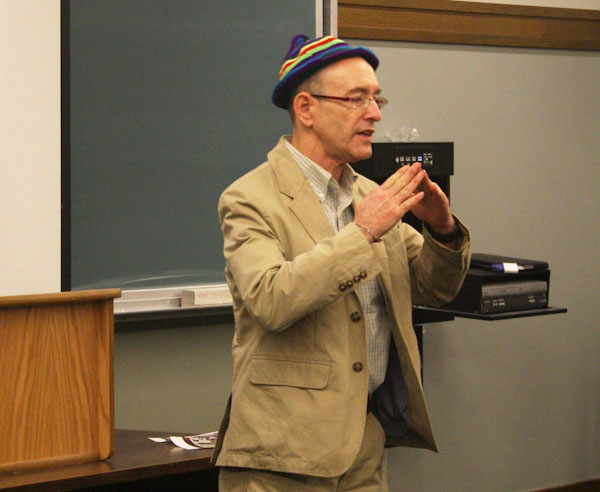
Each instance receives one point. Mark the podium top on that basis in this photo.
(59, 297)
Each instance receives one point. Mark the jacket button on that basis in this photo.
(349, 284)
(342, 287)
(357, 278)
(355, 316)
(363, 274)
(357, 367)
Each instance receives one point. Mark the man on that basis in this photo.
(323, 275)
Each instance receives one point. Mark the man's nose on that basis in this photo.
(373, 112)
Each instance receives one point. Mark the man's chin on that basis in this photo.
(362, 154)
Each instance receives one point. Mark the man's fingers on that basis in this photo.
(406, 180)
(412, 184)
(413, 200)
(395, 178)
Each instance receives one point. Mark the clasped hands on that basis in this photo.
(409, 188)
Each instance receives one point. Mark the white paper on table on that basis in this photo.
(198, 441)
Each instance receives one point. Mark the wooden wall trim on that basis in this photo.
(459, 22)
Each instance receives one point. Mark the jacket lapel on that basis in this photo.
(304, 203)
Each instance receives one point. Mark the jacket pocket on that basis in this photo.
(301, 374)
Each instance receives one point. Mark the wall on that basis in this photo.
(29, 146)
(514, 403)
(175, 379)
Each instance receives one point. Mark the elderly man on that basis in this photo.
(323, 274)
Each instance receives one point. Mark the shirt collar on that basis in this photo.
(319, 178)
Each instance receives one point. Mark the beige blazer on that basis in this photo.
(300, 362)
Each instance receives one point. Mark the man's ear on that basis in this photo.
(303, 104)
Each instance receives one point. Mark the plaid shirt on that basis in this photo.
(336, 199)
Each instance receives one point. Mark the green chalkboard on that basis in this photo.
(169, 103)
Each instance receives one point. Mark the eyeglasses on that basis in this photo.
(358, 102)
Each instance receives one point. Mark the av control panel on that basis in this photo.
(437, 158)
(404, 157)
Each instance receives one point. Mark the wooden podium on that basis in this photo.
(56, 379)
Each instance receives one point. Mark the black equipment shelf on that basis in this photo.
(492, 316)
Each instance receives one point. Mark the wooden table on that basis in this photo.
(137, 464)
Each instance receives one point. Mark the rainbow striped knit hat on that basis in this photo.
(306, 57)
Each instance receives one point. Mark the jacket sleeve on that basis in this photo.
(437, 272)
(277, 290)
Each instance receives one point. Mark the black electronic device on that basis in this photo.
(497, 284)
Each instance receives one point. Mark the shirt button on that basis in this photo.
(355, 316)
(357, 367)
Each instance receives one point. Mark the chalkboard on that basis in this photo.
(169, 103)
